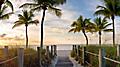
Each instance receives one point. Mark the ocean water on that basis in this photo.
(59, 47)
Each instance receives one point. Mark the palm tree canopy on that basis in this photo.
(81, 24)
(102, 24)
(110, 8)
(25, 18)
(45, 5)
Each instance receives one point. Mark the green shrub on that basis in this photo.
(76, 57)
(30, 57)
(73, 54)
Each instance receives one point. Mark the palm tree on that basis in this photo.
(45, 5)
(26, 19)
(3, 6)
(110, 9)
(101, 25)
(81, 25)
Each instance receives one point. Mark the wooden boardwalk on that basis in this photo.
(64, 62)
(63, 59)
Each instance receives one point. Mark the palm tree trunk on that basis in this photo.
(85, 37)
(1, 2)
(26, 36)
(42, 28)
(113, 30)
(100, 38)
(0, 6)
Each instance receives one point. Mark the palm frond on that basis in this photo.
(107, 25)
(6, 16)
(29, 5)
(21, 17)
(71, 30)
(74, 24)
(37, 8)
(100, 7)
(58, 2)
(10, 4)
(55, 10)
(102, 12)
(33, 22)
(3, 9)
(17, 23)
(108, 30)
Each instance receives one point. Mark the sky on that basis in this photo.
(55, 28)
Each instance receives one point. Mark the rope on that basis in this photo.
(8, 60)
(112, 60)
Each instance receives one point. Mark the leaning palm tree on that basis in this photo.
(81, 25)
(45, 5)
(26, 19)
(101, 25)
(110, 9)
(3, 6)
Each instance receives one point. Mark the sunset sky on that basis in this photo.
(56, 29)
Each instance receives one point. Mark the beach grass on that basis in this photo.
(30, 57)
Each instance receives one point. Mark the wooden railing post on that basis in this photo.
(20, 57)
(73, 48)
(79, 50)
(83, 55)
(38, 53)
(118, 50)
(102, 62)
(55, 50)
(6, 52)
(47, 49)
(51, 50)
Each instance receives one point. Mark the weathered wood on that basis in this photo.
(38, 53)
(83, 54)
(52, 50)
(118, 50)
(55, 50)
(75, 48)
(6, 52)
(20, 57)
(78, 50)
(47, 49)
(102, 61)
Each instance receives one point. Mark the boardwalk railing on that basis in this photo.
(21, 58)
(101, 56)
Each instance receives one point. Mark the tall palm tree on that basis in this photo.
(45, 5)
(3, 6)
(101, 25)
(81, 25)
(26, 19)
(110, 9)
